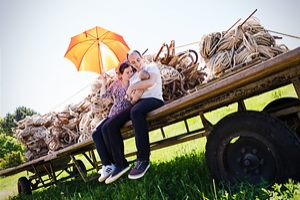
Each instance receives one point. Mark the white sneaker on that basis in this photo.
(106, 171)
(117, 173)
(100, 170)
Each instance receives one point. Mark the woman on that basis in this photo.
(117, 90)
(150, 100)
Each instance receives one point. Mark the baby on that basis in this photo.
(136, 94)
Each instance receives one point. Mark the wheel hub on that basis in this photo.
(249, 159)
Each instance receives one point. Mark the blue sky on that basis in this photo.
(35, 35)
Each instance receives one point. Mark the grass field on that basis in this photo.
(177, 172)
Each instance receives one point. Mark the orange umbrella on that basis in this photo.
(97, 50)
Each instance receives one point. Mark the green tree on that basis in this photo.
(9, 121)
(21, 112)
(7, 124)
(11, 152)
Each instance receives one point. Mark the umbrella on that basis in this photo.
(97, 50)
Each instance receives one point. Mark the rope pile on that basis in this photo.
(180, 72)
(247, 42)
(44, 134)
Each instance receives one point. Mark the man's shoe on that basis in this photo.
(117, 173)
(106, 171)
(139, 170)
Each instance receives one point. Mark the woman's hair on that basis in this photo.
(123, 66)
(134, 51)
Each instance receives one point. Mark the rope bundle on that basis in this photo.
(247, 42)
(179, 72)
(42, 134)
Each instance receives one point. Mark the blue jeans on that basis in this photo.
(137, 114)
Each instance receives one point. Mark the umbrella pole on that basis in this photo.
(100, 59)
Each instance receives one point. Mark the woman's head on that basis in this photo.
(135, 59)
(125, 71)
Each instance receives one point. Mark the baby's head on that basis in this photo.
(144, 75)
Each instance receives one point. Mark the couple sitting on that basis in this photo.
(127, 106)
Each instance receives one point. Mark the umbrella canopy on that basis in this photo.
(97, 50)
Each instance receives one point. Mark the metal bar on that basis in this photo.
(36, 172)
(51, 178)
(248, 17)
(53, 172)
(88, 158)
(289, 35)
(241, 105)
(186, 126)
(286, 111)
(172, 141)
(296, 83)
(94, 160)
(163, 132)
(232, 26)
(79, 169)
(207, 125)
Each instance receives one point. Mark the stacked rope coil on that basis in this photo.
(180, 72)
(226, 50)
(44, 134)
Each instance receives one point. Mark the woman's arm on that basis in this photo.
(107, 92)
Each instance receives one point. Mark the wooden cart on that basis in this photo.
(243, 146)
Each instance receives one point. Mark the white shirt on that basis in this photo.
(154, 91)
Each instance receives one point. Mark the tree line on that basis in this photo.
(12, 152)
(9, 122)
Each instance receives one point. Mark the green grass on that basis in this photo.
(8, 185)
(177, 172)
(183, 177)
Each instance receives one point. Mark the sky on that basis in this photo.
(35, 35)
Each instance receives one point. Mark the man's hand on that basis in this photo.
(129, 91)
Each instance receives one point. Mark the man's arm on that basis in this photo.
(142, 85)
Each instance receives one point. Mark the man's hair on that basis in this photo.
(134, 51)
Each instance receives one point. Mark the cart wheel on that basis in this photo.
(252, 147)
(292, 120)
(82, 167)
(24, 186)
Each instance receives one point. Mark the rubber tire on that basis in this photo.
(291, 120)
(82, 167)
(278, 139)
(24, 186)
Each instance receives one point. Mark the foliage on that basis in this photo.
(9, 144)
(289, 190)
(21, 112)
(11, 159)
(9, 121)
(11, 153)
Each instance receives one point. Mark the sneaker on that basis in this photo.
(139, 170)
(117, 173)
(106, 171)
(100, 170)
